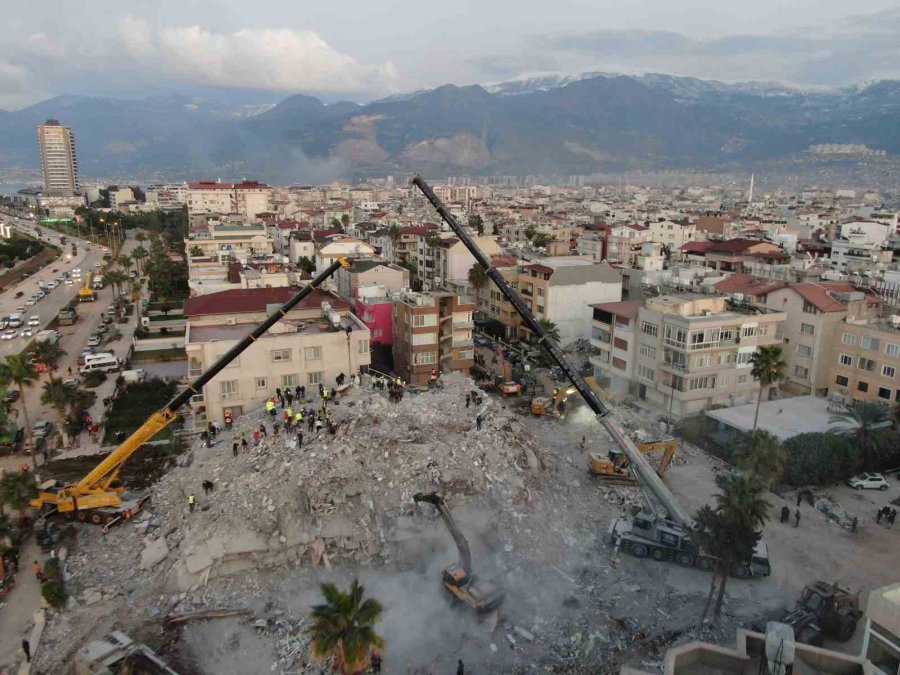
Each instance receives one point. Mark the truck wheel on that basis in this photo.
(658, 554)
(741, 571)
(638, 550)
(883, 488)
(96, 519)
(847, 629)
(81, 516)
(685, 560)
(705, 564)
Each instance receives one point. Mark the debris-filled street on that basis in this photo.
(227, 586)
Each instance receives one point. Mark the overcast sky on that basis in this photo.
(364, 49)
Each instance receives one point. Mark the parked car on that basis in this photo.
(34, 320)
(869, 481)
(41, 429)
(27, 333)
(69, 282)
(31, 301)
(74, 381)
(9, 334)
(94, 340)
(53, 284)
(19, 294)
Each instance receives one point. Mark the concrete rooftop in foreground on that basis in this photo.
(784, 417)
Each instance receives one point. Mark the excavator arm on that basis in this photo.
(95, 489)
(465, 555)
(645, 474)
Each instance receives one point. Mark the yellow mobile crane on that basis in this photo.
(663, 529)
(97, 497)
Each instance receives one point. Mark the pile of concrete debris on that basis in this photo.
(346, 495)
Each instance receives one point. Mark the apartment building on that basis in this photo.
(562, 289)
(370, 272)
(730, 255)
(169, 196)
(59, 163)
(315, 342)
(814, 313)
(224, 241)
(866, 360)
(672, 234)
(450, 260)
(339, 247)
(684, 353)
(247, 198)
(623, 243)
(402, 245)
(375, 308)
(502, 319)
(861, 246)
(592, 241)
(432, 331)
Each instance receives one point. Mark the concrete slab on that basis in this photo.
(783, 417)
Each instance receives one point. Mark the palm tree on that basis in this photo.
(48, 353)
(141, 236)
(125, 261)
(763, 457)
(342, 628)
(868, 425)
(551, 329)
(116, 278)
(767, 366)
(59, 395)
(17, 369)
(136, 294)
(139, 254)
(433, 239)
(17, 490)
(478, 279)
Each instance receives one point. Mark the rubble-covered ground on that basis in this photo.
(281, 520)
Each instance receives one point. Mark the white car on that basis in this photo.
(27, 333)
(98, 264)
(76, 270)
(69, 282)
(93, 341)
(31, 301)
(8, 334)
(34, 320)
(53, 284)
(869, 481)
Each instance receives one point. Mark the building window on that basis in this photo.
(315, 378)
(807, 328)
(848, 339)
(195, 368)
(312, 354)
(891, 349)
(888, 371)
(846, 360)
(420, 320)
(363, 346)
(540, 292)
(862, 386)
(601, 335)
(698, 383)
(801, 372)
(748, 331)
(866, 364)
(618, 363)
(868, 342)
(281, 355)
(466, 354)
(290, 380)
(884, 393)
(423, 338)
(804, 350)
(809, 308)
(261, 383)
(376, 333)
(228, 389)
(676, 336)
(649, 328)
(619, 343)
(645, 372)
(648, 351)
(841, 380)
(743, 358)
(424, 358)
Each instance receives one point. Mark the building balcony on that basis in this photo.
(599, 344)
(463, 342)
(463, 324)
(675, 367)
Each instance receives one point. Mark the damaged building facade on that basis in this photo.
(315, 342)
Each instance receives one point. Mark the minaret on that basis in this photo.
(750, 197)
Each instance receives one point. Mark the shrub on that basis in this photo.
(817, 459)
(94, 378)
(54, 589)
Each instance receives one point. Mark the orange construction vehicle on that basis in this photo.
(615, 467)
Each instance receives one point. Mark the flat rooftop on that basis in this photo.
(223, 333)
(783, 417)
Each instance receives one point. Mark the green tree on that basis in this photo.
(139, 254)
(478, 277)
(551, 329)
(18, 369)
(730, 531)
(868, 426)
(530, 231)
(125, 261)
(763, 457)
(60, 396)
(47, 352)
(116, 278)
(306, 264)
(767, 366)
(140, 236)
(394, 233)
(343, 630)
(476, 222)
(818, 458)
(335, 224)
(345, 221)
(541, 239)
(17, 490)
(196, 251)
(433, 239)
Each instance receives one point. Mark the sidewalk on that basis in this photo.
(17, 614)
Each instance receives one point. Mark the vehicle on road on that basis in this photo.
(74, 381)
(105, 362)
(19, 294)
(135, 375)
(868, 481)
(31, 301)
(9, 334)
(34, 320)
(69, 282)
(41, 429)
(53, 284)
(28, 333)
(12, 396)
(20, 310)
(14, 320)
(76, 270)
(94, 340)
(98, 264)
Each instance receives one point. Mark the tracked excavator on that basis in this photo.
(458, 579)
(98, 497)
(615, 468)
(662, 529)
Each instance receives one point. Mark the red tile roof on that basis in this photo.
(504, 260)
(696, 246)
(215, 185)
(821, 294)
(229, 303)
(540, 268)
(418, 229)
(736, 245)
(626, 308)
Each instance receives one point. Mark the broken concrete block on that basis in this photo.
(155, 551)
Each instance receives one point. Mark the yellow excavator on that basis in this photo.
(614, 467)
(458, 578)
(98, 497)
(554, 406)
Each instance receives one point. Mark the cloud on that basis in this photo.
(17, 87)
(278, 59)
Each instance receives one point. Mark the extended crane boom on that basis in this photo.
(643, 471)
(95, 490)
(465, 554)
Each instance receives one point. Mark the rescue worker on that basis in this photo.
(191, 501)
(319, 424)
(270, 407)
(229, 420)
(298, 419)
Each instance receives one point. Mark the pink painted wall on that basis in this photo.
(382, 319)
